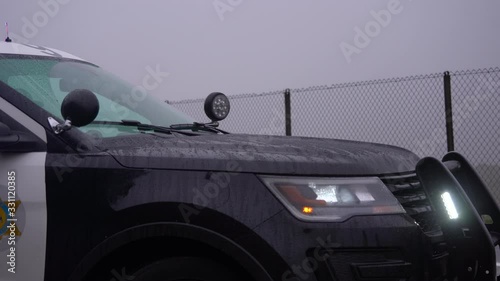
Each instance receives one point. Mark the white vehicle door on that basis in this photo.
(23, 212)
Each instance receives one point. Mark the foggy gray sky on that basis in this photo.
(256, 46)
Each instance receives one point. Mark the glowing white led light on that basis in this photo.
(327, 193)
(449, 205)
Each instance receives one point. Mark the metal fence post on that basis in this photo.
(288, 113)
(449, 113)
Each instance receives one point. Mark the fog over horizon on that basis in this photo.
(241, 46)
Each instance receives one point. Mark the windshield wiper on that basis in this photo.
(195, 126)
(144, 127)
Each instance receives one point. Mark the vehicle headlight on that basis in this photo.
(333, 199)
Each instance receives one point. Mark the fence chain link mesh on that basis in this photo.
(476, 121)
(408, 112)
(262, 114)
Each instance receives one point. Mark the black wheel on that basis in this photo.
(186, 269)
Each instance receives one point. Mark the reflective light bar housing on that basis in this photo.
(333, 199)
(461, 202)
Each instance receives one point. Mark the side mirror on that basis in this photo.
(80, 107)
(217, 106)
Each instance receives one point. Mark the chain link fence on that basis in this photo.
(250, 113)
(476, 121)
(409, 112)
(404, 112)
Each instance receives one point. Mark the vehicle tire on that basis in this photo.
(186, 269)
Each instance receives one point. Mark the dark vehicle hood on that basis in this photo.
(259, 154)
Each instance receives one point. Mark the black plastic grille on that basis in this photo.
(412, 197)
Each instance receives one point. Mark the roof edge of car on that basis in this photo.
(34, 50)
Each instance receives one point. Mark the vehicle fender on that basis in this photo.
(173, 230)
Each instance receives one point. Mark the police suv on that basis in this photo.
(100, 181)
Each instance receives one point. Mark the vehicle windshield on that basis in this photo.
(46, 81)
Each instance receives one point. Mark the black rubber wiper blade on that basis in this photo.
(197, 127)
(144, 127)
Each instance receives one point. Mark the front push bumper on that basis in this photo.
(467, 213)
